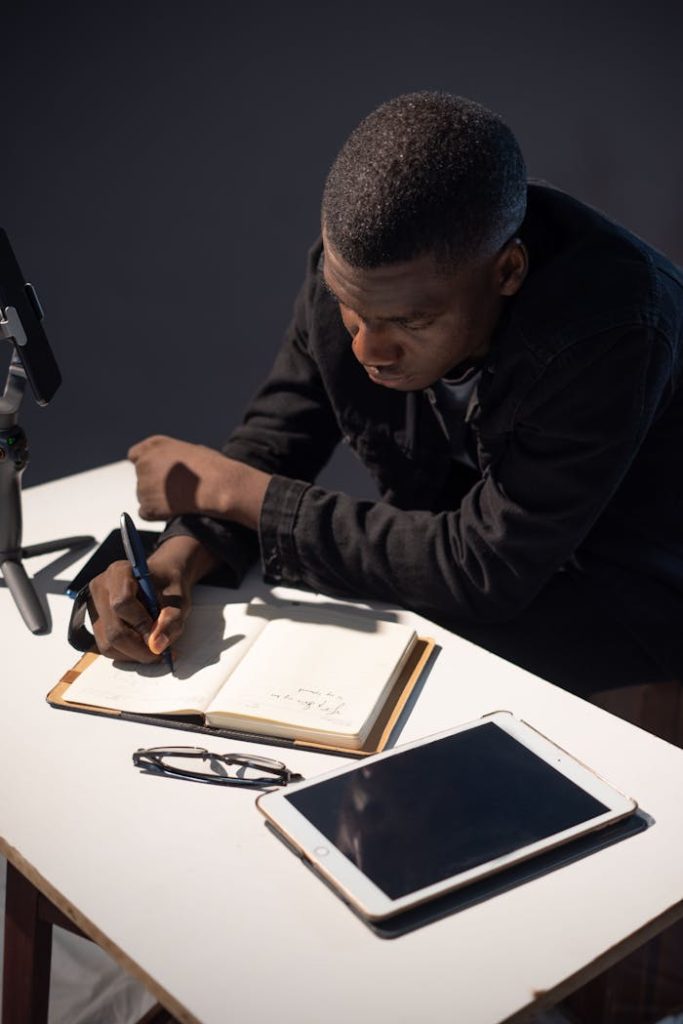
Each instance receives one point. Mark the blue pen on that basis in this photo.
(135, 554)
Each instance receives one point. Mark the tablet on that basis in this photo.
(408, 825)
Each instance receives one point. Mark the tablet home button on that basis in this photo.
(321, 851)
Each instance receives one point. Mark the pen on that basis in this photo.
(136, 556)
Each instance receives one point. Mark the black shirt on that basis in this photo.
(577, 431)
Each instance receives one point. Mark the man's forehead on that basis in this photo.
(415, 286)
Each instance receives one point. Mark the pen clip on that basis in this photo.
(133, 546)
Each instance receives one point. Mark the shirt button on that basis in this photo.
(273, 563)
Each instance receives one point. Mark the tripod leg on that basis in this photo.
(25, 596)
(65, 544)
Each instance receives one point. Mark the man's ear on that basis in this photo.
(512, 264)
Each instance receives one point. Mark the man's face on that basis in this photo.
(411, 322)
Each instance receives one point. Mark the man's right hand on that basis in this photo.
(123, 627)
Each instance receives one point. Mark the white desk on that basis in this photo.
(185, 886)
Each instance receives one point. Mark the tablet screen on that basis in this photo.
(436, 810)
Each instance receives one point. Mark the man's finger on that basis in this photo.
(121, 622)
(139, 449)
(115, 639)
(132, 613)
(167, 629)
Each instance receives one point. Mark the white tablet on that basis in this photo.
(402, 827)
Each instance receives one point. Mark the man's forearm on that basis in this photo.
(184, 557)
(178, 478)
(245, 490)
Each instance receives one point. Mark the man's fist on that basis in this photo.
(178, 478)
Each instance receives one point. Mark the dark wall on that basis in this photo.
(162, 165)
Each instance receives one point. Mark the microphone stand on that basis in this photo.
(13, 461)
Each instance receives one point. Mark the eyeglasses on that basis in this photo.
(225, 769)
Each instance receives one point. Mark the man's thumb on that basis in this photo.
(166, 631)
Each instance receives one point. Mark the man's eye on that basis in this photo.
(416, 325)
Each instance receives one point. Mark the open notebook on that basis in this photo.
(301, 672)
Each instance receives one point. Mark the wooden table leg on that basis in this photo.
(28, 950)
(29, 919)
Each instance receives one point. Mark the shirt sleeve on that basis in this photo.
(290, 427)
(576, 432)
(236, 546)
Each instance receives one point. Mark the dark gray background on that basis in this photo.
(162, 165)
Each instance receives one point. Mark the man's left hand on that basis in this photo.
(179, 478)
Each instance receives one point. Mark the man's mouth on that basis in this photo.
(384, 373)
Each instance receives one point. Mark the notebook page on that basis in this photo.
(324, 676)
(214, 641)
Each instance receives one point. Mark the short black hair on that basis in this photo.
(426, 172)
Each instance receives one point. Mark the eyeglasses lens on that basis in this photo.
(213, 768)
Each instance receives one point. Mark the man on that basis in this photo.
(506, 362)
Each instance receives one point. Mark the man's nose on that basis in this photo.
(373, 345)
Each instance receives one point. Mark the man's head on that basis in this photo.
(419, 216)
